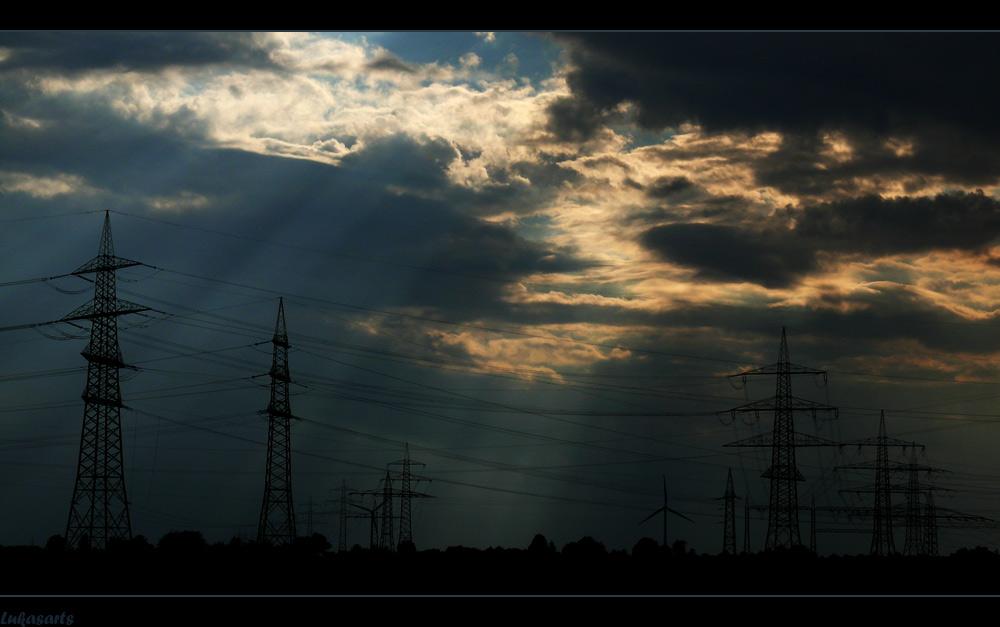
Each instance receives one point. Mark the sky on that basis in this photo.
(533, 260)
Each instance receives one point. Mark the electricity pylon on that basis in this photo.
(99, 509)
(385, 536)
(783, 513)
(406, 495)
(729, 522)
(882, 540)
(665, 509)
(746, 524)
(812, 526)
(342, 542)
(920, 538)
(277, 515)
(930, 527)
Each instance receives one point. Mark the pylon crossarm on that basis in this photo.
(798, 439)
(773, 369)
(89, 311)
(908, 467)
(887, 442)
(893, 487)
(787, 473)
(104, 263)
(793, 403)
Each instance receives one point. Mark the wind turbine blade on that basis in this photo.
(651, 515)
(673, 511)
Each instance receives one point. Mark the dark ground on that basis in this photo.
(183, 564)
(187, 582)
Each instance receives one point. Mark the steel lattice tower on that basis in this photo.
(783, 513)
(930, 527)
(882, 542)
(812, 526)
(406, 495)
(99, 509)
(277, 515)
(405, 534)
(729, 525)
(342, 543)
(385, 536)
(746, 524)
(914, 544)
(882, 536)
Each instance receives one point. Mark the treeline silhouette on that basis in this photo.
(184, 563)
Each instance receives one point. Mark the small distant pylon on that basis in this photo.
(309, 517)
(916, 516)
(729, 524)
(930, 527)
(277, 514)
(99, 511)
(783, 512)
(386, 535)
(812, 525)
(746, 525)
(406, 495)
(342, 543)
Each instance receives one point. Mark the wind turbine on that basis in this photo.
(665, 509)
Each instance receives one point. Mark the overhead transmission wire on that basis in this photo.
(571, 480)
(258, 325)
(146, 396)
(380, 469)
(460, 324)
(298, 337)
(477, 326)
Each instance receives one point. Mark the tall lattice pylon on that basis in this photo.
(99, 509)
(277, 515)
(783, 512)
(916, 517)
(406, 495)
(882, 536)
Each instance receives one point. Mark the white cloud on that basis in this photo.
(328, 99)
(470, 60)
(42, 186)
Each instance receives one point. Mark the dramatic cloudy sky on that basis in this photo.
(531, 258)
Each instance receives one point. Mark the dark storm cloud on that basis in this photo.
(668, 186)
(931, 89)
(78, 51)
(878, 226)
(788, 81)
(391, 203)
(771, 258)
(801, 165)
(391, 63)
(774, 255)
(403, 208)
(572, 119)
